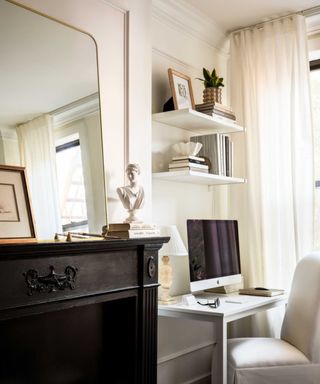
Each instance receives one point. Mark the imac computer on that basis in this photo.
(214, 256)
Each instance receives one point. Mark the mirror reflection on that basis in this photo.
(50, 120)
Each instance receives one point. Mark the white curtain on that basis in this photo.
(270, 95)
(37, 152)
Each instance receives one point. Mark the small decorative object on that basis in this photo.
(130, 230)
(132, 195)
(168, 105)
(187, 159)
(16, 222)
(187, 149)
(212, 83)
(174, 247)
(181, 89)
(69, 237)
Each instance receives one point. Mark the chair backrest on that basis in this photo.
(301, 325)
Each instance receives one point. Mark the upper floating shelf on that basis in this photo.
(197, 122)
(193, 177)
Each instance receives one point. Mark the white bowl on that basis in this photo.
(187, 149)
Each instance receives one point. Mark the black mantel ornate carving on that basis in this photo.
(80, 312)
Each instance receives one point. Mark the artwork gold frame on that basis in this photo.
(181, 89)
(16, 221)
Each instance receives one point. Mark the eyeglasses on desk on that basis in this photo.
(212, 304)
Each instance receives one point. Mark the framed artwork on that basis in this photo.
(16, 222)
(181, 88)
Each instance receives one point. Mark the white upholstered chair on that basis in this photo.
(295, 357)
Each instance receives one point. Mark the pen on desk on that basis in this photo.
(232, 302)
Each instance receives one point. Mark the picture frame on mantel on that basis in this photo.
(16, 220)
(181, 89)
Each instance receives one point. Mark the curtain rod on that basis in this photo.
(260, 25)
(307, 13)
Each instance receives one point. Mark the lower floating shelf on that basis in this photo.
(193, 177)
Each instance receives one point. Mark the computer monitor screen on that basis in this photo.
(214, 256)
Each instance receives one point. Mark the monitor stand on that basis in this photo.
(225, 289)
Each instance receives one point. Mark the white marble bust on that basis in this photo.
(132, 195)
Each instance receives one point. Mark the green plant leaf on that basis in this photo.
(206, 74)
(211, 79)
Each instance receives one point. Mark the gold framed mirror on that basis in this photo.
(50, 119)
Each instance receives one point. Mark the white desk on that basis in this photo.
(227, 312)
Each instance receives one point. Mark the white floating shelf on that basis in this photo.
(193, 177)
(197, 122)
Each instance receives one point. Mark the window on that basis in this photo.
(315, 99)
(72, 196)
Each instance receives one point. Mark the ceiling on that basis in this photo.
(234, 14)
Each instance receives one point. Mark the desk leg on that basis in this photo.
(219, 356)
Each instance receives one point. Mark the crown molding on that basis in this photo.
(311, 11)
(181, 16)
(312, 17)
(77, 110)
(173, 59)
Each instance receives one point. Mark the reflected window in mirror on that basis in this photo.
(72, 194)
(49, 91)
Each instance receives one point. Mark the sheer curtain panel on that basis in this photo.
(270, 95)
(37, 153)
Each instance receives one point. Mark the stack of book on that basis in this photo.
(132, 230)
(218, 149)
(216, 109)
(269, 292)
(188, 163)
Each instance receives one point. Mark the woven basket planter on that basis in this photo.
(212, 95)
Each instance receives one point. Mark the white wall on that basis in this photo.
(9, 148)
(185, 42)
(121, 31)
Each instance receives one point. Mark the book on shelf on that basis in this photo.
(202, 170)
(187, 164)
(229, 156)
(211, 150)
(261, 292)
(223, 107)
(127, 226)
(218, 148)
(222, 153)
(187, 160)
(215, 105)
(134, 233)
(197, 158)
(223, 114)
(215, 112)
(216, 109)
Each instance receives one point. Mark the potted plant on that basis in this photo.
(212, 86)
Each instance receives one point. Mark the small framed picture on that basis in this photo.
(181, 88)
(16, 221)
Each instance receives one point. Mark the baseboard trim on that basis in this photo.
(203, 379)
(184, 352)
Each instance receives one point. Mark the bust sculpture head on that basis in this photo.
(132, 195)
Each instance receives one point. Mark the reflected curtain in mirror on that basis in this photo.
(38, 156)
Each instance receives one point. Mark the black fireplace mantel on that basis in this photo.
(79, 312)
